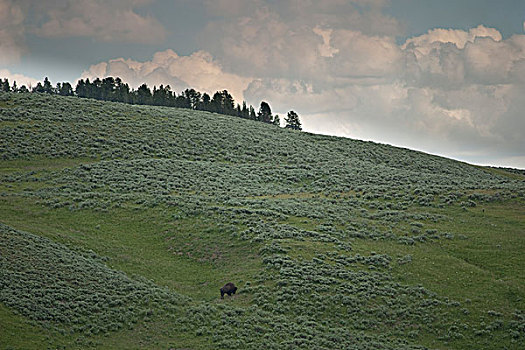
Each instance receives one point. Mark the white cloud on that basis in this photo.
(198, 70)
(291, 38)
(480, 57)
(107, 21)
(325, 50)
(447, 92)
(12, 45)
(19, 78)
(460, 38)
(361, 55)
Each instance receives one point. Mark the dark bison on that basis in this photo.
(229, 288)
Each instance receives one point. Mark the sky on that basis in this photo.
(445, 77)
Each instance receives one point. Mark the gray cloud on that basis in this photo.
(115, 20)
(106, 21)
(289, 38)
(12, 29)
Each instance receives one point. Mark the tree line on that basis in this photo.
(114, 89)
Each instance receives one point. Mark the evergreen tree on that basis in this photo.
(107, 89)
(265, 113)
(96, 89)
(144, 96)
(159, 96)
(4, 85)
(182, 102)
(205, 104)
(80, 89)
(252, 115)
(276, 120)
(122, 91)
(292, 121)
(47, 88)
(113, 89)
(223, 103)
(65, 89)
(245, 113)
(238, 110)
(193, 97)
(38, 88)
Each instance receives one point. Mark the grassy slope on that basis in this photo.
(191, 200)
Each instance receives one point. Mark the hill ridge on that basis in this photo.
(333, 242)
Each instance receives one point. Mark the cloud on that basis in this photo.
(198, 70)
(448, 91)
(19, 78)
(12, 45)
(105, 21)
(457, 37)
(289, 38)
(325, 50)
(453, 58)
(339, 65)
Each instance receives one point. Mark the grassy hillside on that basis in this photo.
(119, 224)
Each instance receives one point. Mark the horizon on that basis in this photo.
(442, 78)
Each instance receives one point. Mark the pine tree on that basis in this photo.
(80, 89)
(204, 105)
(47, 88)
(193, 97)
(245, 113)
(38, 88)
(66, 89)
(253, 116)
(292, 121)
(4, 85)
(265, 113)
(276, 120)
(144, 95)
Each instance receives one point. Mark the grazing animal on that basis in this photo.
(229, 288)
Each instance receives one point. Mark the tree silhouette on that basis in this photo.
(64, 89)
(292, 121)
(265, 113)
(205, 102)
(47, 88)
(253, 116)
(4, 85)
(276, 120)
(143, 94)
(222, 102)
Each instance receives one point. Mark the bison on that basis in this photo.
(229, 288)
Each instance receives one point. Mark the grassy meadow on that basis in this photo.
(119, 224)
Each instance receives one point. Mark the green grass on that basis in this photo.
(19, 333)
(483, 269)
(503, 172)
(188, 201)
(146, 243)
